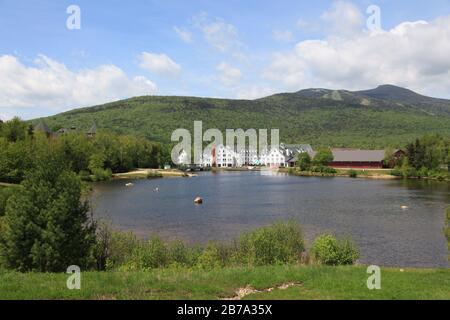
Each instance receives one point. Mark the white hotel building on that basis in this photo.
(277, 157)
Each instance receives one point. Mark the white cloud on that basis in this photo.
(217, 32)
(51, 85)
(228, 75)
(5, 117)
(184, 35)
(343, 19)
(302, 24)
(221, 35)
(413, 54)
(283, 36)
(159, 63)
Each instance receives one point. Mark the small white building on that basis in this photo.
(279, 157)
(249, 157)
(183, 158)
(273, 158)
(226, 157)
(207, 160)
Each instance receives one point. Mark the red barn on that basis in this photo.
(361, 159)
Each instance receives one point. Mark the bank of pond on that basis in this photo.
(286, 282)
(267, 263)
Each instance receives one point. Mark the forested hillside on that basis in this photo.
(376, 118)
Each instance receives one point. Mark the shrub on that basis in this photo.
(331, 251)
(410, 172)
(422, 173)
(85, 175)
(438, 174)
(329, 170)
(101, 174)
(397, 172)
(304, 161)
(280, 243)
(210, 258)
(324, 169)
(151, 255)
(182, 255)
(49, 210)
(153, 175)
(120, 249)
(352, 173)
(178, 253)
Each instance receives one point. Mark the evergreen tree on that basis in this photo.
(304, 161)
(46, 226)
(14, 130)
(323, 157)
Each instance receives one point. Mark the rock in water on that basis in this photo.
(198, 200)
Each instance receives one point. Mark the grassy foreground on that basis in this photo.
(308, 282)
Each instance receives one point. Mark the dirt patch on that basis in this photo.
(106, 297)
(248, 290)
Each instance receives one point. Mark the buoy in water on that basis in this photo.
(156, 190)
(198, 200)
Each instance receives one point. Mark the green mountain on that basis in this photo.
(385, 116)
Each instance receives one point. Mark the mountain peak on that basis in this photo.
(391, 86)
(391, 92)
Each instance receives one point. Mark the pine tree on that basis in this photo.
(323, 157)
(46, 225)
(304, 161)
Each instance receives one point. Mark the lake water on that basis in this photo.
(367, 210)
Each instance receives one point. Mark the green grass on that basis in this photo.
(312, 282)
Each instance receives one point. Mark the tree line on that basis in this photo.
(46, 223)
(95, 157)
(428, 156)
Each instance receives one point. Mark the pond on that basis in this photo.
(369, 211)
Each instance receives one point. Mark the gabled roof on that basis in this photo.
(42, 127)
(296, 148)
(356, 155)
(63, 131)
(93, 129)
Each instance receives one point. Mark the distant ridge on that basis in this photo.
(382, 95)
(376, 118)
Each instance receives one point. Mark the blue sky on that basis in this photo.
(234, 49)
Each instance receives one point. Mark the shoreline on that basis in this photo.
(152, 173)
(343, 173)
(7, 185)
(367, 174)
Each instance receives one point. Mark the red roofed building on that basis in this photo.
(363, 159)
